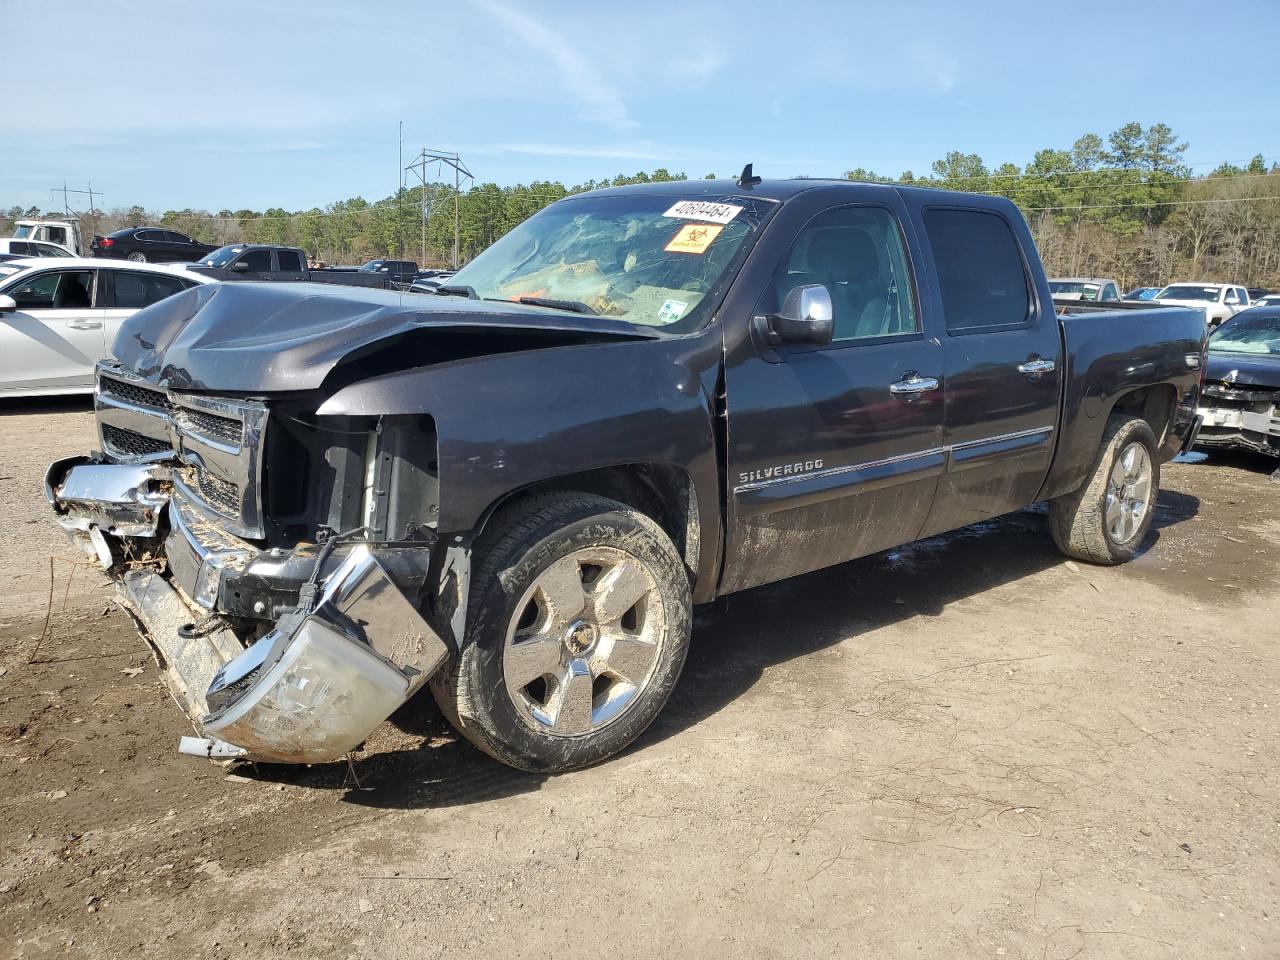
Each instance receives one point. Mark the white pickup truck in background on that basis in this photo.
(65, 233)
(1220, 301)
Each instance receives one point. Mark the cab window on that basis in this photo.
(980, 270)
(289, 260)
(259, 261)
(858, 254)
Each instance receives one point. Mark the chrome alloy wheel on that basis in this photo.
(583, 642)
(1128, 493)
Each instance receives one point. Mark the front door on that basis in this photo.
(1003, 361)
(56, 335)
(834, 452)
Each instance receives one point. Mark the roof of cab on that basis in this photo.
(779, 191)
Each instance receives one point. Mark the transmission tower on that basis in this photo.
(430, 168)
(66, 202)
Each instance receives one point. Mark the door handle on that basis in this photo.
(1034, 368)
(913, 384)
(84, 326)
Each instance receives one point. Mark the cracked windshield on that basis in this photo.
(648, 260)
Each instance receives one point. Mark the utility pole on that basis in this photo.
(66, 202)
(433, 162)
(400, 196)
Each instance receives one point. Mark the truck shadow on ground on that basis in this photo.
(734, 642)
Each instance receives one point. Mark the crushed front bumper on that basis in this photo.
(287, 656)
(1240, 416)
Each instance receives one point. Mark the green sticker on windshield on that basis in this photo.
(672, 310)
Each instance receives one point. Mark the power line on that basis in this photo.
(1070, 173)
(1152, 203)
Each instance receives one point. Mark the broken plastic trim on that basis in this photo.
(318, 684)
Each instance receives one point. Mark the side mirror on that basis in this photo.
(7, 303)
(807, 316)
(240, 266)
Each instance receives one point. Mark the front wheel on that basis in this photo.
(1108, 517)
(578, 625)
(137, 257)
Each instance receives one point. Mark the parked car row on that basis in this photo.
(1219, 301)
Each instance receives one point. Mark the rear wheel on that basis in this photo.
(1108, 517)
(579, 620)
(137, 257)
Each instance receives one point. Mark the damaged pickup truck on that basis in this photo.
(1240, 405)
(317, 500)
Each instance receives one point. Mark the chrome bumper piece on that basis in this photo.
(93, 499)
(314, 685)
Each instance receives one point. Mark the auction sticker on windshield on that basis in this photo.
(671, 310)
(693, 238)
(702, 210)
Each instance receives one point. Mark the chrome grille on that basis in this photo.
(217, 440)
(135, 393)
(222, 429)
(216, 492)
(130, 443)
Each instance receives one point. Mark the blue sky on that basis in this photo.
(235, 105)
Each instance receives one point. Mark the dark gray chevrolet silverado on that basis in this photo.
(316, 500)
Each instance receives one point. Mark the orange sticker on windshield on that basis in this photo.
(693, 238)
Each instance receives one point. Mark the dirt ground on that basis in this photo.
(966, 748)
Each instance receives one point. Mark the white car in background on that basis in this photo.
(32, 248)
(1220, 301)
(59, 317)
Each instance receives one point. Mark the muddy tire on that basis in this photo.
(1106, 520)
(578, 626)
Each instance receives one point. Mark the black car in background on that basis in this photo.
(150, 245)
(399, 273)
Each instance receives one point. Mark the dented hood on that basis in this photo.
(1245, 369)
(276, 337)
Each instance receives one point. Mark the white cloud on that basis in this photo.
(598, 99)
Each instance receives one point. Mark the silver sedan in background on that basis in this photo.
(59, 317)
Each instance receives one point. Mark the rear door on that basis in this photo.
(56, 335)
(1003, 364)
(290, 265)
(834, 452)
(123, 292)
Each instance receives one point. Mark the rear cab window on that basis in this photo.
(982, 275)
(289, 260)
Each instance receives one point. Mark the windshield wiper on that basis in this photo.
(457, 290)
(573, 306)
